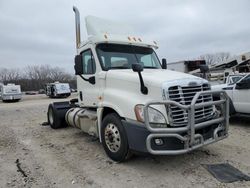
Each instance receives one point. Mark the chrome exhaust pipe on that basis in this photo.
(77, 22)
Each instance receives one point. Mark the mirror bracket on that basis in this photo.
(144, 89)
(90, 79)
(139, 68)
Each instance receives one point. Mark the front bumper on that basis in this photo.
(179, 140)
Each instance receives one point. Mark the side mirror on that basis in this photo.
(78, 65)
(164, 63)
(92, 80)
(244, 84)
(136, 67)
(79, 69)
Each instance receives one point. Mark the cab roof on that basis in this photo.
(105, 31)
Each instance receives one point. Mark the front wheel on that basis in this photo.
(114, 138)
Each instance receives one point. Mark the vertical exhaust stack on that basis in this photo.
(77, 22)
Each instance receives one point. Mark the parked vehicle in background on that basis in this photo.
(57, 90)
(10, 92)
(229, 80)
(41, 91)
(31, 92)
(237, 87)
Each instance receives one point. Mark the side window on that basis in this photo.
(88, 62)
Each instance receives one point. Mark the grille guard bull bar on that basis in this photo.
(190, 141)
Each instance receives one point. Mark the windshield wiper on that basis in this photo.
(148, 67)
(120, 67)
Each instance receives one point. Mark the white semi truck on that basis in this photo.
(10, 92)
(57, 90)
(128, 99)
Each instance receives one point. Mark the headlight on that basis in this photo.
(156, 118)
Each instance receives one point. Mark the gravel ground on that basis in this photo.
(32, 155)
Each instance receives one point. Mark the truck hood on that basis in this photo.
(219, 87)
(151, 77)
(122, 88)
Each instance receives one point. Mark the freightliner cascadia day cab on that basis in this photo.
(128, 99)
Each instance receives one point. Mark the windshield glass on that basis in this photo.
(116, 56)
(235, 79)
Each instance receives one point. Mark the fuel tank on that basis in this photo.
(84, 119)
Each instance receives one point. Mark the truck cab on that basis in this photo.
(128, 99)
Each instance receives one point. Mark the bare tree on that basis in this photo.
(34, 77)
(58, 74)
(223, 56)
(215, 58)
(8, 75)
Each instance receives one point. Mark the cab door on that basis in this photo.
(241, 95)
(88, 92)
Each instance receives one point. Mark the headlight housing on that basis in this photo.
(156, 118)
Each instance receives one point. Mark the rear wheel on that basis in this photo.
(114, 138)
(54, 119)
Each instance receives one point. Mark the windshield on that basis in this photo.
(116, 56)
(11, 89)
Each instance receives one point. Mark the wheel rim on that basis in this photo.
(51, 117)
(112, 137)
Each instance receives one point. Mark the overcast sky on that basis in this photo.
(43, 32)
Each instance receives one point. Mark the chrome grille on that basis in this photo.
(184, 95)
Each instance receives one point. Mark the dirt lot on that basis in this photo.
(33, 155)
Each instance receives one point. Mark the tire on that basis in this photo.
(114, 138)
(231, 108)
(54, 119)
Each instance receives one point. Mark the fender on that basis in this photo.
(100, 116)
